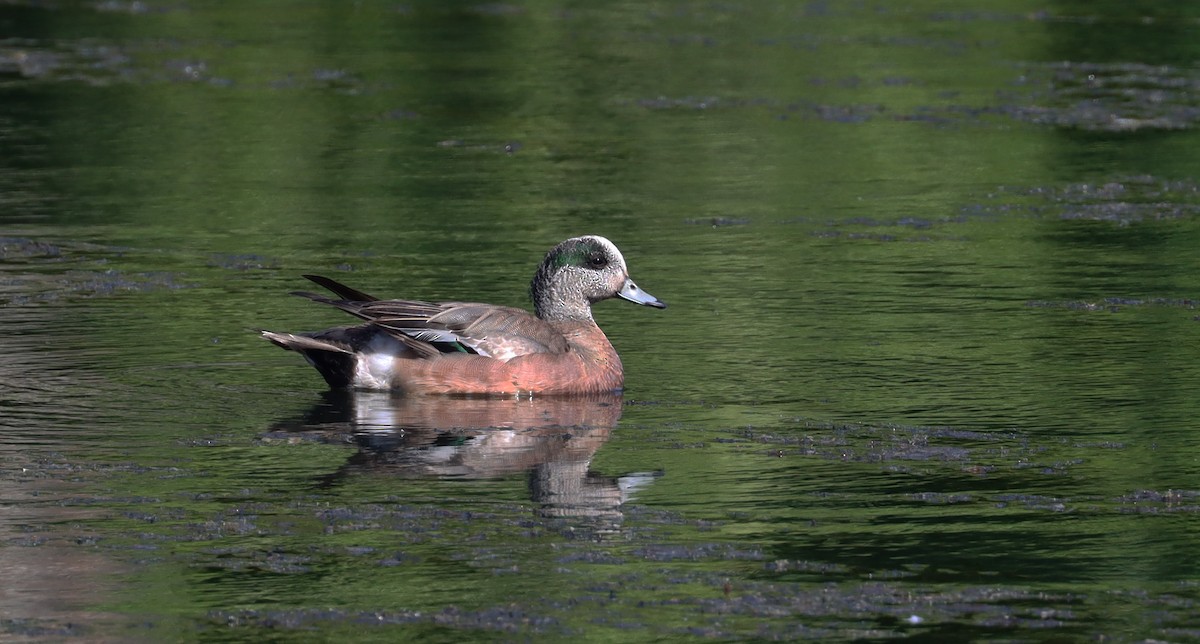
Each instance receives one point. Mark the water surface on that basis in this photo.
(929, 368)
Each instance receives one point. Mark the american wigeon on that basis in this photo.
(468, 348)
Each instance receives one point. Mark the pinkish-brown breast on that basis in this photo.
(589, 365)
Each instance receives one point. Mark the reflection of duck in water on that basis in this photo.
(467, 348)
(553, 439)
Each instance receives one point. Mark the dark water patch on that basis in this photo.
(871, 610)
(268, 562)
(136, 7)
(869, 444)
(969, 458)
(804, 566)
(942, 498)
(401, 114)
(814, 42)
(997, 211)
(1090, 117)
(510, 147)
(872, 222)
(1154, 496)
(64, 467)
(75, 284)
(884, 237)
(1155, 502)
(39, 271)
(696, 552)
(32, 541)
(145, 517)
(591, 556)
(322, 436)
(242, 262)
(985, 15)
(508, 619)
(837, 113)
(100, 63)
(1124, 214)
(1139, 188)
(19, 247)
(85, 62)
(1114, 97)
(220, 527)
(718, 222)
(497, 9)
(1116, 304)
(399, 558)
(1122, 201)
(1100, 97)
(35, 629)
(340, 81)
(418, 523)
(905, 228)
(332, 75)
(1032, 502)
(645, 515)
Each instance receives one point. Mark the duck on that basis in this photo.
(468, 348)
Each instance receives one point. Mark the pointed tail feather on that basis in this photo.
(336, 362)
(302, 343)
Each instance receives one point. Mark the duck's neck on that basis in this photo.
(552, 305)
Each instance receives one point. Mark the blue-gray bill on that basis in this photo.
(636, 295)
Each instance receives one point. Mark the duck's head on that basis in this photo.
(579, 272)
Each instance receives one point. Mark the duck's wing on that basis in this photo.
(432, 328)
(501, 332)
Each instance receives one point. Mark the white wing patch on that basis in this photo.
(376, 363)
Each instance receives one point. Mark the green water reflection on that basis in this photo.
(930, 366)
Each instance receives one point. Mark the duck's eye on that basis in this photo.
(597, 260)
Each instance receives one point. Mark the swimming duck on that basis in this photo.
(470, 348)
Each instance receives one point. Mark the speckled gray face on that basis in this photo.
(590, 267)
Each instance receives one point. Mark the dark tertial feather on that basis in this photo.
(341, 290)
